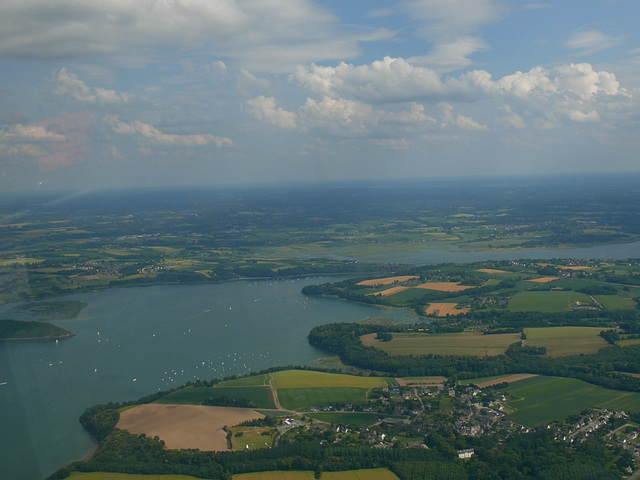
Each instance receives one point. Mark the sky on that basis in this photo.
(124, 93)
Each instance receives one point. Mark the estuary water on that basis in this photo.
(135, 341)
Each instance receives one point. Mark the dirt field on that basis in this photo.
(390, 291)
(443, 286)
(509, 379)
(185, 426)
(386, 281)
(403, 382)
(543, 279)
(491, 270)
(444, 309)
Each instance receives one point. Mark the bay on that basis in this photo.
(134, 341)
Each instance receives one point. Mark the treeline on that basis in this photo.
(19, 330)
(343, 339)
(520, 455)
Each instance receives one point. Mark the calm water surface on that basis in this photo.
(133, 341)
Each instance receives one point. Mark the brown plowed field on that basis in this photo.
(185, 426)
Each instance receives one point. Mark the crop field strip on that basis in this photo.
(545, 399)
(466, 343)
(565, 341)
(368, 474)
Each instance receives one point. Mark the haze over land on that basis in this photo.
(187, 92)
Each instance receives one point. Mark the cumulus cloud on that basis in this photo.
(339, 116)
(591, 41)
(386, 80)
(156, 136)
(582, 117)
(23, 133)
(68, 83)
(21, 150)
(461, 121)
(266, 109)
(262, 35)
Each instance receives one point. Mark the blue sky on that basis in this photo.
(179, 92)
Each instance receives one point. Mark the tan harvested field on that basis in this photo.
(509, 379)
(386, 281)
(491, 270)
(390, 291)
(444, 309)
(444, 286)
(185, 426)
(577, 267)
(543, 279)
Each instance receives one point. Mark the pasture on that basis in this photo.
(548, 301)
(261, 396)
(565, 341)
(297, 398)
(311, 379)
(250, 438)
(368, 474)
(355, 419)
(615, 302)
(464, 343)
(540, 400)
(125, 476)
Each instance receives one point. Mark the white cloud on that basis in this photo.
(386, 80)
(68, 83)
(262, 35)
(591, 41)
(582, 80)
(266, 109)
(461, 121)
(578, 116)
(339, 116)
(23, 133)
(156, 136)
(453, 18)
(453, 55)
(21, 150)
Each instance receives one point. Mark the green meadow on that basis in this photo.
(565, 341)
(540, 400)
(297, 398)
(369, 474)
(261, 396)
(547, 301)
(311, 379)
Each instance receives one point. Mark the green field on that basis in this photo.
(355, 419)
(465, 343)
(296, 398)
(547, 301)
(615, 302)
(311, 379)
(252, 381)
(261, 396)
(251, 438)
(369, 474)
(564, 341)
(125, 476)
(542, 400)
